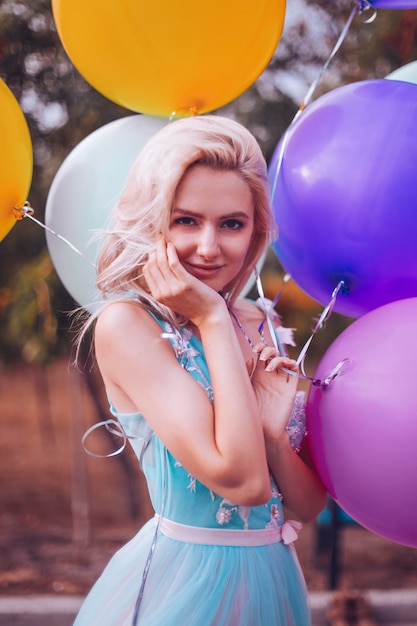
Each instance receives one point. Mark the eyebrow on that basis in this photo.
(228, 216)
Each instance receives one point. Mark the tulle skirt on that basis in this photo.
(198, 585)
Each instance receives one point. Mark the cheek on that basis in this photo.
(244, 246)
(182, 243)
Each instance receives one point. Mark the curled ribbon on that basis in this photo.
(338, 369)
(326, 313)
(113, 427)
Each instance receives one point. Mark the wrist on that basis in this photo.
(279, 445)
(211, 318)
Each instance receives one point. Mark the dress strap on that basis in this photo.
(287, 533)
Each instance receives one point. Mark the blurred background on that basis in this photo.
(62, 514)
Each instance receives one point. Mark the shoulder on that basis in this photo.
(248, 310)
(114, 317)
(132, 355)
(258, 310)
(116, 313)
(248, 307)
(128, 342)
(248, 317)
(251, 314)
(123, 324)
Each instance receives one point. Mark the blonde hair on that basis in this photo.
(144, 207)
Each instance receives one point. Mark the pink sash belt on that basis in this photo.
(287, 533)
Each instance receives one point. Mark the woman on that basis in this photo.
(201, 395)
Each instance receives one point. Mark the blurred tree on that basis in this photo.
(312, 28)
(62, 108)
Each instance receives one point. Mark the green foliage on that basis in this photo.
(28, 318)
(61, 109)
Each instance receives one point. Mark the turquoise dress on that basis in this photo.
(202, 561)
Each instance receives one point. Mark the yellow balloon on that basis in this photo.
(16, 159)
(163, 58)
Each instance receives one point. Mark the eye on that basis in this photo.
(232, 224)
(184, 220)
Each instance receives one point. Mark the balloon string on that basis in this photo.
(312, 89)
(151, 552)
(336, 371)
(326, 313)
(27, 211)
(365, 5)
(118, 431)
(267, 310)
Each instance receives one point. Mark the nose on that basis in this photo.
(208, 246)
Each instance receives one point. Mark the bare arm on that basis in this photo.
(222, 444)
(304, 494)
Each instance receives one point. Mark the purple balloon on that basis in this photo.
(363, 425)
(345, 198)
(393, 4)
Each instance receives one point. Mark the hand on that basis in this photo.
(171, 285)
(274, 389)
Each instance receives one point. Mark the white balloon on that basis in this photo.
(81, 197)
(406, 73)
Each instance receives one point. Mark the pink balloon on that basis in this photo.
(363, 424)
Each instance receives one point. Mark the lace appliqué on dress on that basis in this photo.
(226, 510)
(297, 427)
(275, 519)
(186, 353)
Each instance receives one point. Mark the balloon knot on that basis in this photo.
(20, 212)
(344, 288)
(190, 111)
(337, 371)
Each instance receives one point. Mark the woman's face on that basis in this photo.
(212, 224)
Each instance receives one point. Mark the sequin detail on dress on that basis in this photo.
(185, 354)
(297, 427)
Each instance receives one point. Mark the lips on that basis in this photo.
(203, 271)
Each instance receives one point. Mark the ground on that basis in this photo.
(64, 513)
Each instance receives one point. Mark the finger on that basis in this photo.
(173, 260)
(150, 272)
(278, 363)
(168, 261)
(156, 271)
(166, 265)
(264, 352)
(161, 256)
